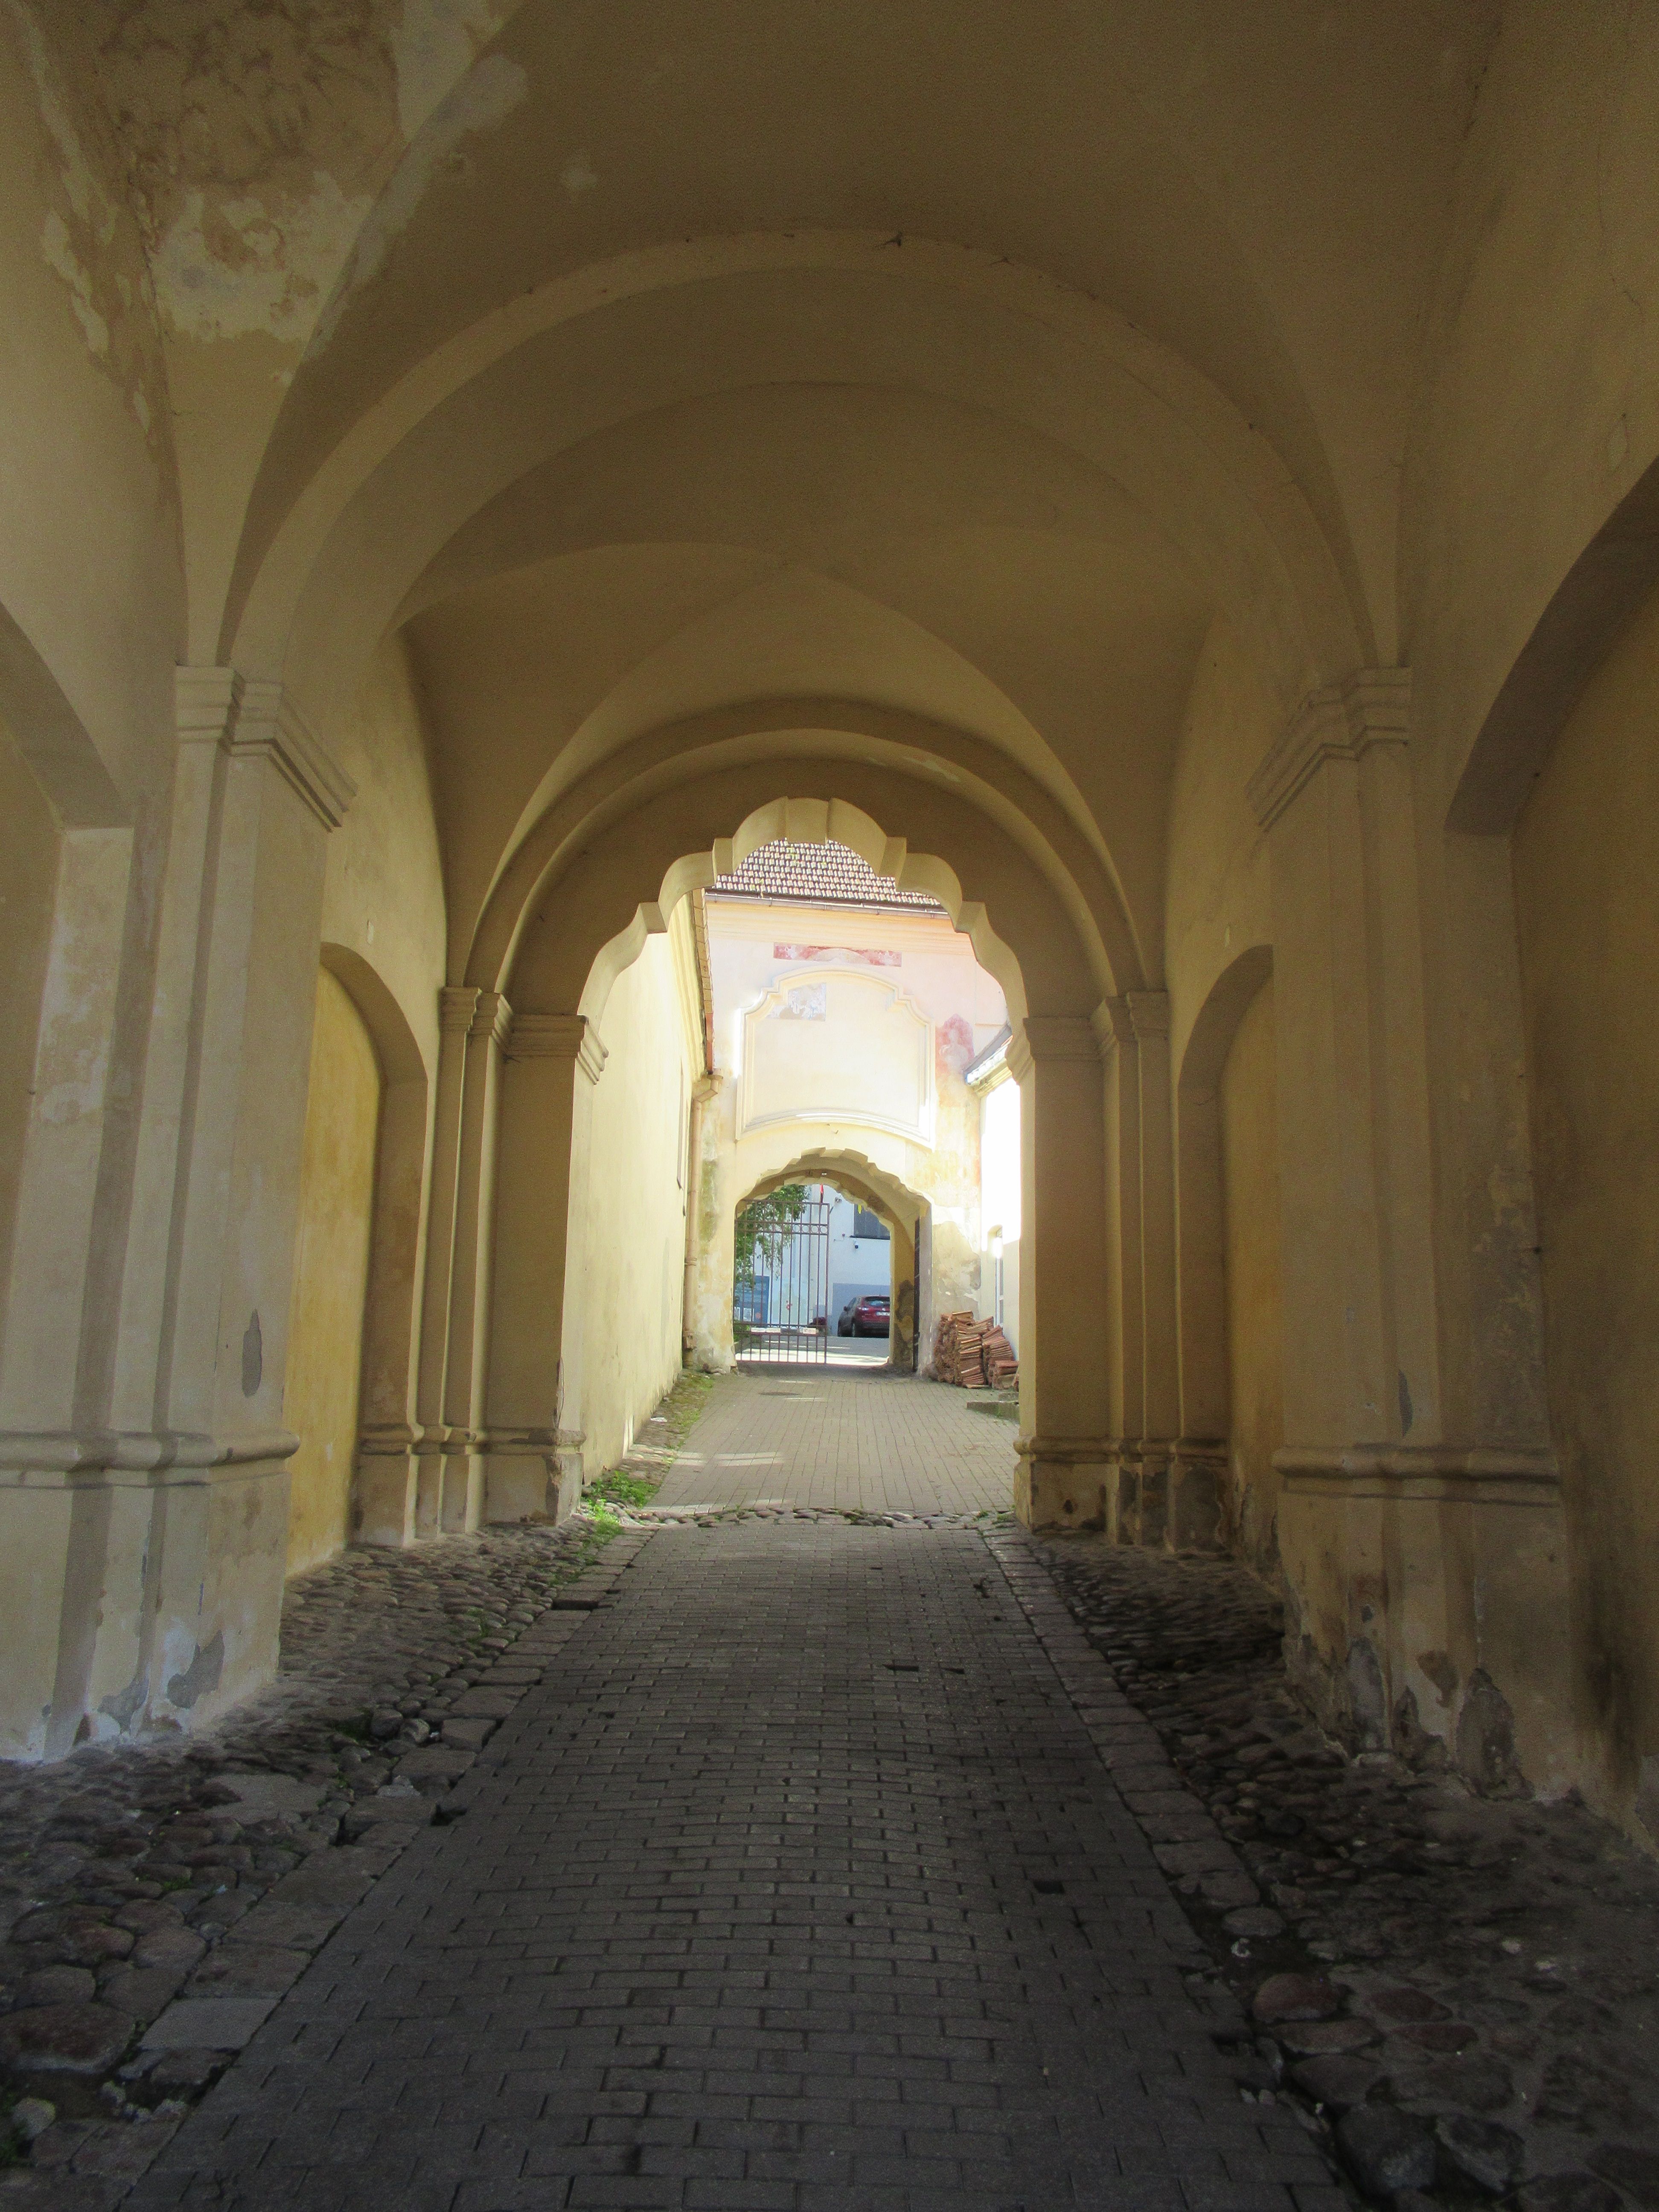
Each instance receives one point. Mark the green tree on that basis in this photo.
(761, 1228)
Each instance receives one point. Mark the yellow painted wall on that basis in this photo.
(28, 879)
(1220, 891)
(1586, 857)
(336, 1191)
(1250, 1147)
(636, 1217)
(383, 896)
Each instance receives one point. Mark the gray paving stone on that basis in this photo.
(208, 2024)
(798, 1881)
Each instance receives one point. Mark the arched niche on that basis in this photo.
(906, 1213)
(1201, 1233)
(1610, 579)
(383, 1505)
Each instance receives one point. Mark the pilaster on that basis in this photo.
(1064, 1451)
(161, 1513)
(534, 1396)
(487, 1026)
(1399, 1542)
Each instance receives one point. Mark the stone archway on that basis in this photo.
(906, 1213)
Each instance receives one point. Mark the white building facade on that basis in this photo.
(844, 1017)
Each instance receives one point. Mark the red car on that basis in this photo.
(871, 1318)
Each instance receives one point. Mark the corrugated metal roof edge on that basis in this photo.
(979, 1071)
(905, 903)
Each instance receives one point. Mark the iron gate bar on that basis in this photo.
(796, 1330)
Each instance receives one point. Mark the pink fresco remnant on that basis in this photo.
(870, 959)
(953, 1046)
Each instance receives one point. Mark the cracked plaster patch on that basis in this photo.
(274, 155)
(238, 267)
(77, 238)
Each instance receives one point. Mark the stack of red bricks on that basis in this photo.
(974, 1354)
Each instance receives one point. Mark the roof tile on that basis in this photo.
(826, 875)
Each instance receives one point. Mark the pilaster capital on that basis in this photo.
(558, 1037)
(456, 1005)
(269, 726)
(1340, 721)
(204, 703)
(1112, 1025)
(491, 1017)
(1042, 1039)
(1148, 1012)
(256, 719)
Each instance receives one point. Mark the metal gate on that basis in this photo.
(784, 1319)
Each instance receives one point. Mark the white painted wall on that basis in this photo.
(999, 1167)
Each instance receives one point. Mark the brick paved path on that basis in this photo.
(798, 1882)
(844, 1442)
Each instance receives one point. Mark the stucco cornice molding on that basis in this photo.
(1422, 1473)
(270, 726)
(49, 1458)
(258, 720)
(1341, 721)
(456, 1002)
(205, 702)
(558, 1037)
(1066, 1451)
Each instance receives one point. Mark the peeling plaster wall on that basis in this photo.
(89, 558)
(1586, 859)
(261, 138)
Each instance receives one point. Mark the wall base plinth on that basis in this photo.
(1165, 1497)
(138, 1602)
(533, 1475)
(1417, 1583)
(1196, 1480)
(1060, 1483)
(449, 1482)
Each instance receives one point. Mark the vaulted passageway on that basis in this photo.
(1176, 485)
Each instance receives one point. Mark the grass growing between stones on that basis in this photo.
(636, 1481)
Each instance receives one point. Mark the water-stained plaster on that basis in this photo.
(229, 267)
(260, 141)
(80, 239)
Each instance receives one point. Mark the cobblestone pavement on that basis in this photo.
(159, 1897)
(840, 1443)
(1138, 1929)
(798, 1884)
(1464, 1988)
